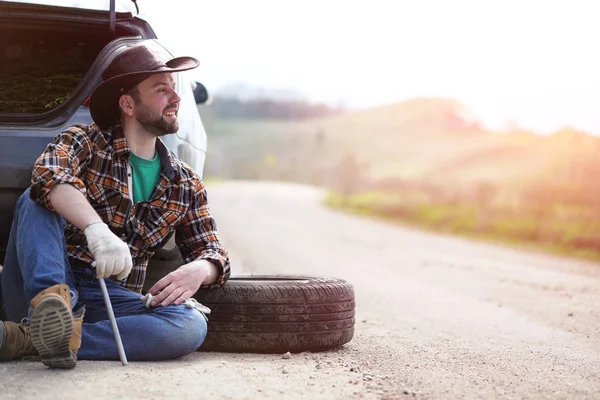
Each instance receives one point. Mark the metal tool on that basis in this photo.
(113, 322)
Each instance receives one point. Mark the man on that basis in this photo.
(103, 199)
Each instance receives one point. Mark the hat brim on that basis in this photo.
(104, 106)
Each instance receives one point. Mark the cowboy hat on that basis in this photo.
(124, 72)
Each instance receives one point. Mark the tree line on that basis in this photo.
(231, 107)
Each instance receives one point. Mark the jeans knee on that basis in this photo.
(26, 195)
(198, 329)
(24, 199)
(187, 333)
(27, 205)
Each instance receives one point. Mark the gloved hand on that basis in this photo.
(111, 253)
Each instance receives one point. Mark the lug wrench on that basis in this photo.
(113, 322)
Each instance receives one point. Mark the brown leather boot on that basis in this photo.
(75, 342)
(15, 341)
(54, 332)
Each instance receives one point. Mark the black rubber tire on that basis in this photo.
(278, 313)
(272, 313)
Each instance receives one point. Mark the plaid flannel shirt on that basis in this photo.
(95, 163)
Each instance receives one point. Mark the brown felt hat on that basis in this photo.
(124, 72)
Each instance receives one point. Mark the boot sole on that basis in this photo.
(51, 330)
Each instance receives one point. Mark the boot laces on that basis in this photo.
(29, 351)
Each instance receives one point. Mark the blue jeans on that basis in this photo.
(36, 259)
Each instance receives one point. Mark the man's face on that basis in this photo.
(156, 104)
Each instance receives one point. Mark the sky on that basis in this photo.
(530, 63)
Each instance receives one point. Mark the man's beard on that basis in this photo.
(155, 124)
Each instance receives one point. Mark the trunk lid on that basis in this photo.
(51, 57)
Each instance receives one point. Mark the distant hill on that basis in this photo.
(426, 139)
(429, 162)
(235, 106)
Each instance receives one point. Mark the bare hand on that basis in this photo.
(181, 284)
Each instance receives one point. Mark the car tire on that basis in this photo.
(273, 313)
(278, 313)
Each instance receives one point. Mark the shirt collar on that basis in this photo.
(119, 141)
(122, 150)
(166, 162)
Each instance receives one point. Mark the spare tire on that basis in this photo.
(278, 313)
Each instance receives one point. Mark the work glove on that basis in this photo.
(189, 303)
(111, 253)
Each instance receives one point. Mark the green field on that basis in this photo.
(576, 237)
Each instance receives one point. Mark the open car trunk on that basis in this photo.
(40, 66)
(48, 54)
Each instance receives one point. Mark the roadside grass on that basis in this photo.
(575, 237)
(210, 181)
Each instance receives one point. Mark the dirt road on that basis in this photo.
(437, 317)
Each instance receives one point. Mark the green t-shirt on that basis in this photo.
(146, 174)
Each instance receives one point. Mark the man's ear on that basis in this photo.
(127, 104)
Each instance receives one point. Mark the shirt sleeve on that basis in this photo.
(197, 236)
(62, 162)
